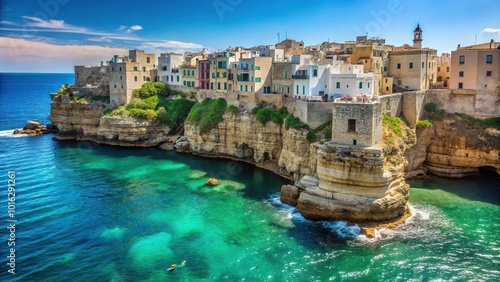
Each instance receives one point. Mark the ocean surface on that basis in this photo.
(87, 212)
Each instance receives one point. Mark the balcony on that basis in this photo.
(300, 76)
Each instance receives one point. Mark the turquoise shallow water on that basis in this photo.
(97, 213)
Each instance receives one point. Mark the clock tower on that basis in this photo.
(417, 37)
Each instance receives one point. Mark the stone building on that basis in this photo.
(357, 123)
(91, 75)
(128, 73)
(413, 67)
(281, 74)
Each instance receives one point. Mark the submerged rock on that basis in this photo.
(212, 182)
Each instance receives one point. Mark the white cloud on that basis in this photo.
(134, 28)
(53, 24)
(492, 30)
(7, 22)
(26, 55)
(170, 44)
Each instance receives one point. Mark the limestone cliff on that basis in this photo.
(354, 183)
(241, 136)
(84, 120)
(457, 146)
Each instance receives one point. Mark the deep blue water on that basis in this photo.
(87, 212)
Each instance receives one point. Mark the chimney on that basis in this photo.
(491, 43)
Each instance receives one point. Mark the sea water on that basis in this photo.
(88, 212)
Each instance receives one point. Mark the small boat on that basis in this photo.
(172, 267)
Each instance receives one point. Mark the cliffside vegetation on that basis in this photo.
(153, 102)
(208, 113)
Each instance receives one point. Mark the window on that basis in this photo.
(241, 88)
(135, 78)
(246, 88)
(143, 68)
(177, 78)
(288, 90)
(192, 73)
(148, 60)
(351, 125)
(297, 90)
(447, 69)
(167, 77)
(387, 88)
(172, 78)
(183, 72)
(460, 74)
(184, 82)
(115, 85)
(488, 73)
(489, 59)
(218, 85)
(399, 66)
(411, 65)
(303, 89)
(360, 84)
(461, 60)
(338, 85)
(218, 74)
(211, 85)
(423, 65)
(258, 79)
(120, 77)
(257, 67)
(112, 69)
(368, 85)
(120, 68)
(286, 75)
(315, 73)
(385, 68)
(144, 78)
(225, 85)
(224, 74)
(122, 86)
(439, 68)
(164, 68)
(460, 85)
(213, 75)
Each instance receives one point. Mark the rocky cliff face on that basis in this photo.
(457, 146)
(85, 121)
(241, 136)
(354, 183)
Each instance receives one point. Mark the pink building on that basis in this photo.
(204, 74)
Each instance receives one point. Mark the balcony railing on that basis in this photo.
(300, 76)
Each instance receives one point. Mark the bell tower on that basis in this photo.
(417, 37)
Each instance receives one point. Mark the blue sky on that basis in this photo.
(54, 35)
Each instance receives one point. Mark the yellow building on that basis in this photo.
(443, 67)
(476, 68)
(128, 73)
(188, 76)
(220, 64)
(254, 75)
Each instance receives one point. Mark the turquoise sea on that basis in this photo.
(87, 212)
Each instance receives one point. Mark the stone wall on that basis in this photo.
(413, 105)
(483, 104)
(94, 76)
(367, 118)
(313, 114)
(392, 104)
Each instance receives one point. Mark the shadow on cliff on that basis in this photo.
(484, 188)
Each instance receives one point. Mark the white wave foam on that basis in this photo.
(10, 134)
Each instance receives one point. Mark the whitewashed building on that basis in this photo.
(169, 68)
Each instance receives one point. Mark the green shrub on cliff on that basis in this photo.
(264, 115)
(424, 123)
(174, 112)
(394, 123)
(144, 114)
(294, 122)
(207, 114)
(233, 109)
